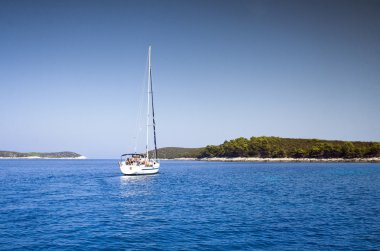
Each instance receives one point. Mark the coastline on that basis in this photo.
(255, 159)
(37, 157)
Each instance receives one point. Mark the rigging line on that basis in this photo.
(148, 103)
(139, 112)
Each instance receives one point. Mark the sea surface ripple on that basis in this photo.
(88, 204)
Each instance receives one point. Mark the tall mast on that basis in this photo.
(147, 114)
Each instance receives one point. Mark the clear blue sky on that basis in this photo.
(71, 71)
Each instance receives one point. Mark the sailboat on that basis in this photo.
(142, 163)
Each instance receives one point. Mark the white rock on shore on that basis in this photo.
(37, 157)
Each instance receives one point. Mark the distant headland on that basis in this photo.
(276, 149)
(39, 155)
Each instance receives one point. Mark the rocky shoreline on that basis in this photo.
(253, 159)
(40, 155)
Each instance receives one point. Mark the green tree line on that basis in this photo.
(275, 147)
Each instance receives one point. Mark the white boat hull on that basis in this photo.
(134, 169)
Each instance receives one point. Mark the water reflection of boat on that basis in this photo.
(128, 179)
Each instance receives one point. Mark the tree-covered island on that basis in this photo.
(53, 155)
(276, 147)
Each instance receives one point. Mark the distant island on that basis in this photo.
(279, 149)
(38, 155)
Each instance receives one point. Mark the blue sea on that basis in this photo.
(88, 204)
